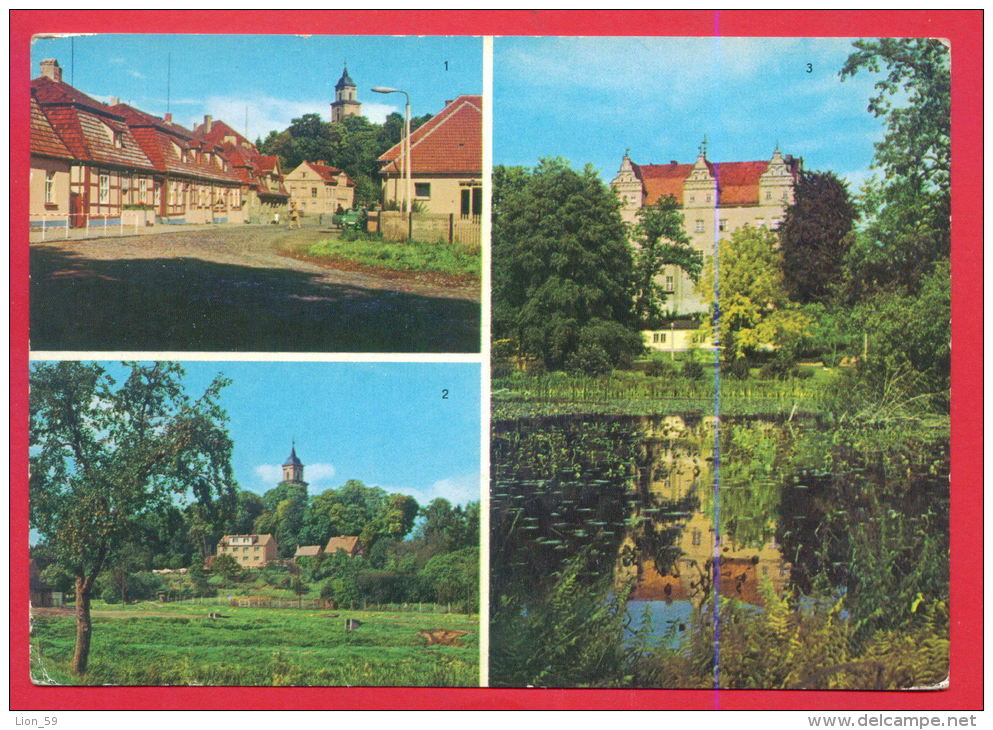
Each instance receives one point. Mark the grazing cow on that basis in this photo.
(442, 637)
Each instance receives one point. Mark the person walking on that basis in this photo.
(294, 217)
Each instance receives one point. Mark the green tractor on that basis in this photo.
(353, 219)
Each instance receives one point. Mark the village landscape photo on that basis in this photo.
(720, 363)
(255, 193)
(254, 524)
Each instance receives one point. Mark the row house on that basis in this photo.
(50, 164)
(318, 188)
(107, 168)
(446, 162)
(263, 192)
(194, 181)
(349, 544)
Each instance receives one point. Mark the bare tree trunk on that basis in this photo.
(83, 627)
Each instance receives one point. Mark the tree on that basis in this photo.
(754, 309)
(226, 565)
(105, 455)
(907, 212)
(661, 241)
(562, 268)
(815, 235)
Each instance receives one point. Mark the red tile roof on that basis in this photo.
(247, 164)
(218, 131)
(174, 149)
(328, 173)
(450, 142)
(45, 142)
(738, 182)
(87, 127)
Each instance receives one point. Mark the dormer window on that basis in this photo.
(119, 140)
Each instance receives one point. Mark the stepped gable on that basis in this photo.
(90, 130)
(738, 182)
(450, 142)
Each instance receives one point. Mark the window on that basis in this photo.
(119, 140)
(658, 337)
(692, 198)
(49, 186)
(722, 225)
(670, 284)
(143, 191)
(768, 195)
(699, 226)
(708, 198)
(697, 537)
(313, 192)
(104, 189)
(158, 194)
(472, 202)
(422, 190)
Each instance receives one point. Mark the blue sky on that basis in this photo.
(589, 99)
(384, 424)
(277, 78)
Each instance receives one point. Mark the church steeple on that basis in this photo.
(345, 104)
(293, 467)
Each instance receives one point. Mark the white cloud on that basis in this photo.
(457, 490)
(136, 74)
(317, 475)
(377, 113)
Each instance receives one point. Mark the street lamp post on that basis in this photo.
(405, 149)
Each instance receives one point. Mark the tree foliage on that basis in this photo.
(353, 145)
(754, 308)
(105, 456)
(907, 211)
(562, 268)
(815, 235)
(661, 241)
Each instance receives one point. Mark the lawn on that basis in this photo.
(442, 258)
(177, 644)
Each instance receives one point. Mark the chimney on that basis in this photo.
(207, 121)
(168, 117)
(50, 69)
(448, 101)
(673, 162)
(114, 101)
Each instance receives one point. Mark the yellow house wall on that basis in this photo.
(446, 192)
(59, 206)
(300, 184)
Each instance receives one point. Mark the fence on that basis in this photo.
(309, 604)
(53, 227)
(428, 227)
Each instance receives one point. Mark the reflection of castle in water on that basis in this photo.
(681, 470)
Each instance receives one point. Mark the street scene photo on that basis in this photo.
(254, 524)
(256, 193)
(720, 363)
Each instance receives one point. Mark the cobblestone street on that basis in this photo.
(235, 289)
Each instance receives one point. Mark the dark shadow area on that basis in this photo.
(187, 304)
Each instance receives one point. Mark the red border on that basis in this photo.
(963, 28)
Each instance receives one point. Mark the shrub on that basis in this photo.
(692, 370)
(659, 369)
(589, 359)
(739, 368)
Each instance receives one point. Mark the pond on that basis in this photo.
(623, 509)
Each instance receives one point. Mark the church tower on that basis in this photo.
(345, 104)
(293, 468)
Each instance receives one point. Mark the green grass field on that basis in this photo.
(402, 256)
(176, 644)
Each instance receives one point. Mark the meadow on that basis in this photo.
(151, 643)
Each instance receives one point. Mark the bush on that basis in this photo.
(692, 370)
(589, 359)
(136, 586)
(739, 368)
(659, 369)
(225, 565)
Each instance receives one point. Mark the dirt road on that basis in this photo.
(236, 289)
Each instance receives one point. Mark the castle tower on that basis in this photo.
(293, 468)
(628, 189)
(345, 104)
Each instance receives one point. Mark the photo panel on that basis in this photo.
(721, 363)
(254, 524)
(255, 193)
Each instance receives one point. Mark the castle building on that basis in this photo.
(345, 104)
(715, 199)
